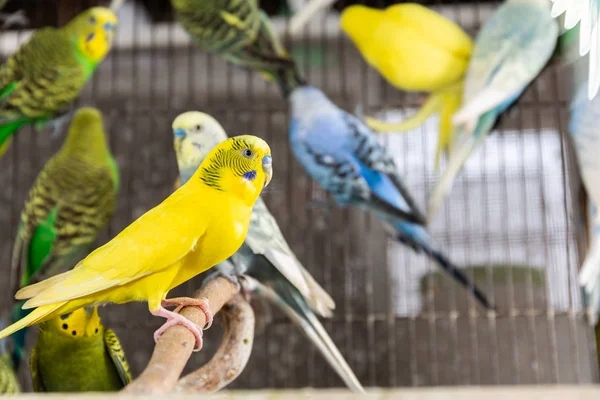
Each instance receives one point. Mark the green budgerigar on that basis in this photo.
(46, 74)
(242, 33)
(75, 353)
(8, 379)
(72, 199)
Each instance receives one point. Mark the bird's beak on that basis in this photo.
(179, 132)
(267, 163)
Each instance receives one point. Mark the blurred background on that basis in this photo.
(514, 218)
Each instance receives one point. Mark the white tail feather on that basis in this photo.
(458, 156)
(302, 17)
(589, 279)
(478, 105)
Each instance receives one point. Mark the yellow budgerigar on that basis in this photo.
(418, 50)
(201, 224)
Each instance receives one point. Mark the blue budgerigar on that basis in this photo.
(344, 156)
(512, 48)
(586, 13)
(269, 266)
(585, 132)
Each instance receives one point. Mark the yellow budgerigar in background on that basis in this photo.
(416, 50)
(201, 224)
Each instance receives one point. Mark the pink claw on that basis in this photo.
(174, 318)
(181, 302)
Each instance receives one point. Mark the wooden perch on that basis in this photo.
(230, 359)
(175, 346)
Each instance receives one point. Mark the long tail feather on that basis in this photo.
(36, 316)
(288, 79)
(459, 153)
(418, 236)
(301, 315)
(305, 14)
(589, 275)
(18, 352)
(432, 105)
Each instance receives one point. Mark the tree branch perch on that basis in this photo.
(230, 359)
(174, 348)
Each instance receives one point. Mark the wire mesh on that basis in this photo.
(514, 216)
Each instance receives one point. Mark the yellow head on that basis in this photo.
(93, 31)
(83, 322)
(241, 166)
(86, 138)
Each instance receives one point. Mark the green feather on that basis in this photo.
(40, 246)
(8, 89)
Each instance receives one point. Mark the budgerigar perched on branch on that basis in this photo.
(512, 48)
(242, 33)
(198, 226)
(76, 353)
(71, 201)
(265, 255)
(585, 132)
(344, 156)
(587, 14)
(415, 49)
(42, 79)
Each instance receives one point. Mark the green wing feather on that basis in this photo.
(36, 379)
(239, 31)
(69, 203)
(117, 355)
(39, 82)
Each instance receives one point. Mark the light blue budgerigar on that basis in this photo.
(513, 47)
(269, 268)
(584, 128)
(586, 13)
(345, 157)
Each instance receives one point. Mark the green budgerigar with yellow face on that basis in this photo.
(76, 353)
(71, 201)
(241, 32)
(42, 79)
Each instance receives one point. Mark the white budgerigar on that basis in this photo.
(513, 47)
(584, 128)
(587, 14)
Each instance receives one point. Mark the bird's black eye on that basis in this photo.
(96, 331)
(74, 333)
(93, 20)
(65, 326)
(198, 128)
(247, 153)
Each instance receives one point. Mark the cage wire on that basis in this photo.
(514, 218)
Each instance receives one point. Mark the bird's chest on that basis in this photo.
(223, 237)
(84, 366)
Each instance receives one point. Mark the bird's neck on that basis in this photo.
(227, 182)
(89, 145)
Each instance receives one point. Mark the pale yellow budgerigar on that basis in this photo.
(201, 224)
(418, 50)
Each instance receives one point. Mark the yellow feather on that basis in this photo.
(414, 49)
(195, 228)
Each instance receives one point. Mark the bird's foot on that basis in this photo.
(173, 319)
(181, 302)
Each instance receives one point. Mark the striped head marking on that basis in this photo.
(94, 31)
(195, 134)
(241, 165)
